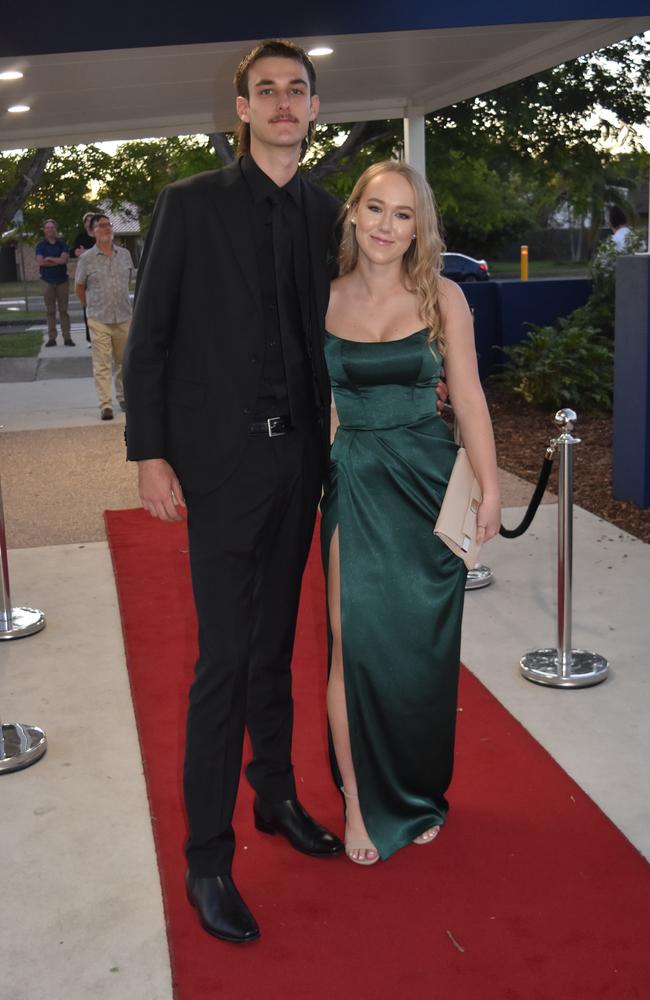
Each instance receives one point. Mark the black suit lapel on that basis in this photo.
(319, 224)
(318, 236)
(234, 207)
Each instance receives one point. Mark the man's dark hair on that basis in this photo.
(617, 217)
(272, 47)
(96, 217)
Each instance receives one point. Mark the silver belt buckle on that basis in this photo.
(271, 424)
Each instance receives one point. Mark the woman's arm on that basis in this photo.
(469, 404)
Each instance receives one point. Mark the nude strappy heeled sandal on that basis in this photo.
(361, 843)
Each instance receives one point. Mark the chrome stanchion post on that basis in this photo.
(564, 666)
(20, 746)
(14, 622)
(566, 440)
(479, 576)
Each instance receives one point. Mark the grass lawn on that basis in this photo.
(20, 345)
(540, 269)
(16, 289)
(7, 315)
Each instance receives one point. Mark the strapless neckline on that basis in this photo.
(397, 340)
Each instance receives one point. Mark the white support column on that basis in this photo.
(414, 148)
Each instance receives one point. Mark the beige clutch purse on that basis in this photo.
(457, 520)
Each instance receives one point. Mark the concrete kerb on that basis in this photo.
(52, 362)
(18, 369)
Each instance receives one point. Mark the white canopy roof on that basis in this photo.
(180, 89)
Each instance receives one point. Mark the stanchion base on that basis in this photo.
(480, 576)
(23, 621)
(543, 667)
(23, 745)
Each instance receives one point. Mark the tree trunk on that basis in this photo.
(221, 146)
(28, 180)
(359, 135)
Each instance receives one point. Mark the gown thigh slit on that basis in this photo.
(336, 702)
(401, 588)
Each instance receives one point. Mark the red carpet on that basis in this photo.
(530, 893)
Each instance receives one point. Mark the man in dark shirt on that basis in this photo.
(52, 259)
(228, 403)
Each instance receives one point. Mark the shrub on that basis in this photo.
(569, 364)
(572, 362)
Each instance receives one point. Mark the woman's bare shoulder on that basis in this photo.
(452, 301)
(339, 290)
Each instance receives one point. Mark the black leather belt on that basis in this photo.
(272, 426)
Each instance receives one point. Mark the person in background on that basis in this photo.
(619, 227)
(102, 287)
(84, 240)
(52, 258)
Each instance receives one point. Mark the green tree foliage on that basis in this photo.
(503, 162)
(599, 310)
(335, 160)
(549, 138)
(480, 207)
(64, 190)
(140, 169)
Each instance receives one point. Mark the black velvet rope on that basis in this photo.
(535, 501)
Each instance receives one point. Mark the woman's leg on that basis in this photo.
(338, 717)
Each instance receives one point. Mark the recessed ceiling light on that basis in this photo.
(320, 50)
(18, 109)
(11, 74)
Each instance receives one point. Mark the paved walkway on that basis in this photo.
(52, 362)
(85, 917)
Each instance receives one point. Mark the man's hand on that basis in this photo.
(443, 394)
(159, 489)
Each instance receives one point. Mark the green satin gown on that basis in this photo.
(402, 589)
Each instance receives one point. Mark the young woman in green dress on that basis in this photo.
(395, 591)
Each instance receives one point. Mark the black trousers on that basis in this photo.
(249, 542)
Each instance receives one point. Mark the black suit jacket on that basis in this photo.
(193, 358)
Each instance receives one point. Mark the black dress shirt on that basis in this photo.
(282, 252)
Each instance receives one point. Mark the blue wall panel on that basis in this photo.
(539, 302)
(631, 458)
(484, 301)
(503, 309)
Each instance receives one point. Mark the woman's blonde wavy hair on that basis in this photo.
(422, 262)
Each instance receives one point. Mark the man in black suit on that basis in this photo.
(228, 404)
